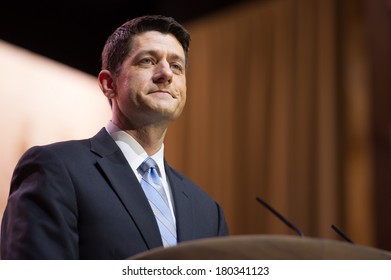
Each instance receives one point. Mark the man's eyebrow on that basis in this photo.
(145, 52)
(178, 58)
(171, 56)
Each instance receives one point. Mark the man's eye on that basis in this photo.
(177, 67)
(146, 61)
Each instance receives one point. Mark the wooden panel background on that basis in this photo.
(281, 99)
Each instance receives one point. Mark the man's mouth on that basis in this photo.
(162, 93)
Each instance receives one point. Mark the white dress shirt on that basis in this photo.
(135, 155)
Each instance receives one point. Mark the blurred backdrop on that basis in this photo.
(289, 100)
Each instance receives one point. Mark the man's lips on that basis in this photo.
(162, 92)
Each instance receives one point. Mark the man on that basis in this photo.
(93, 198)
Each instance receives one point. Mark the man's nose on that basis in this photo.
(163, 73)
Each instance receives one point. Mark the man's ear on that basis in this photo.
(106, 83)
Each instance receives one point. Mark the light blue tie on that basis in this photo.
(153, 188)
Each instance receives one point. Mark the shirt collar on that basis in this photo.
(132, 150)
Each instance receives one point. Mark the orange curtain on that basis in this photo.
(279, 107)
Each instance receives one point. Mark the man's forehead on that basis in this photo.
(155, 41)
(156, 37)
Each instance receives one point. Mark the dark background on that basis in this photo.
(74, 32)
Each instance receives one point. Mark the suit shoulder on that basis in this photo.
(189, 185)
(182, 177)
(67, 146)
(62, 147)
(65, 151)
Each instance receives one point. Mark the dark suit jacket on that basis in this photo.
(81, 200)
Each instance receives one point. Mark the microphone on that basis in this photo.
(341, 234)
(281, 217)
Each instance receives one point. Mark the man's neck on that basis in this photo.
(150, 137)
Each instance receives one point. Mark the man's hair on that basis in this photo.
(119, 44)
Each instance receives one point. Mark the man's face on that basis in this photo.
(151, 86)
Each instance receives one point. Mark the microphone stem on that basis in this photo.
(282, 218)
(340, 233)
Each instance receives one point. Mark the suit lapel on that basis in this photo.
(125, 184)
(183, 206)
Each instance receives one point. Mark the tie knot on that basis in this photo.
(147, 164)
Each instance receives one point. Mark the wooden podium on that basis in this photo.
(264, 247)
